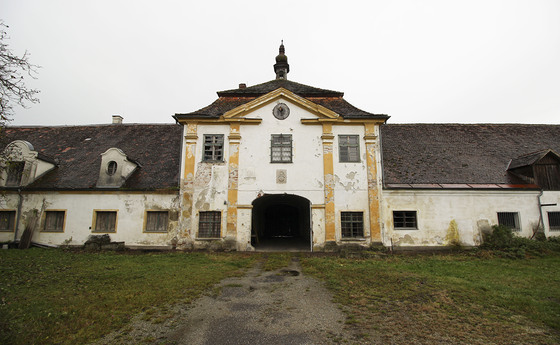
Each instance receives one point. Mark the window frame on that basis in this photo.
(14, 169)
(94, 221)
(279, 144)
(406, 215)
(555, 217)
(45, 220)
(346, 146)
(216, 143)
(213, 222)
(515, 217)
(355, 218)
(146, 221)
(11, 225)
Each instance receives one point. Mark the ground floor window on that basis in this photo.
(405, 220)
(209, 224)
(54, 221)
(105, 221)
(509, 219)
(7, 220)
(156, 221)
(352, 224)
(554, 221)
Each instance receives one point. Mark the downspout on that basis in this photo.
(540, 215)
(383, 231)
(20, 202)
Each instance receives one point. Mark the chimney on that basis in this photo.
(117, 119)
(242, 86)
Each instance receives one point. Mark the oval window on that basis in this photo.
(112, 168)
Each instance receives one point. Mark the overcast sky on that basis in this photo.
(487, 61)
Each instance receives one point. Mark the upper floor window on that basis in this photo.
(349, 149)
(281, 148)
(15, 172)
(213, 148)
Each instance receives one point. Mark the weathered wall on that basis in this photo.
(80, 210)
(440, 213)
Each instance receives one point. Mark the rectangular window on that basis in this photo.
(105, 221)
(352, 224)
(7, 220)
(213, 148)
(54, 221)
(509, 219)
(281, 148)
(15, 172)
(554, 221)
(405, 220)
(349, 149)
(156, 221)
(209, 224)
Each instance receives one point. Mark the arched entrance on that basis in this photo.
(281, 222)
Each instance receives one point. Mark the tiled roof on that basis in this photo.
(415, 154)
(78, 149)
(264, 88)
(231, 99)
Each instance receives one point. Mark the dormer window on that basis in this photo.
(15, 172)
(541, 168)
(116, 167)
(111, 168)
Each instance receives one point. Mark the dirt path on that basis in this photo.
(276, 307)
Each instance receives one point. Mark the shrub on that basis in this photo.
(505, 243)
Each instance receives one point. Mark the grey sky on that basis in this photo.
(471, 61)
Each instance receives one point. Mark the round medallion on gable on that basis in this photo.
(281, 111)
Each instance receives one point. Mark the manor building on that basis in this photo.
(279, 164)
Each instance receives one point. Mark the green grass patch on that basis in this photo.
(457, 298)
(274, 261)
(67, 297)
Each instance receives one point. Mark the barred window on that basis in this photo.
(349, 149)
(352, 224)
(156, 221)
(105, 221)
(554, 221)
(281, 148)
(54, 221)
(15, 172)
(405, 220)
(7, 220)
(213, 148)
(209, 224)
(509, 219)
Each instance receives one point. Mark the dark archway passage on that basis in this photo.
(281, 222)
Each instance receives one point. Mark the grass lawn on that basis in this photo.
(65, 297)
(427, 299)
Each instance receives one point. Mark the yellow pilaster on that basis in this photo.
(233, 174)
(188, 176)
(373, 190)
(328, 175)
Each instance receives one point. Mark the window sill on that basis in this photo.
(406, 229)
(207, 238)
(353, 239)
(213, 162)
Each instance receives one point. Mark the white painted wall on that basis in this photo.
(473, 211)
(79, 216)
(550, 197)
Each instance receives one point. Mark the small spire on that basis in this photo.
(281, 67)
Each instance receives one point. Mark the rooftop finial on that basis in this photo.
(281, 68)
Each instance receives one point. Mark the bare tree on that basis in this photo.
(13, 69)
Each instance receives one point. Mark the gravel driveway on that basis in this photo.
(276, 307)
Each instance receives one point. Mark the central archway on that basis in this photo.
(281, 222)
